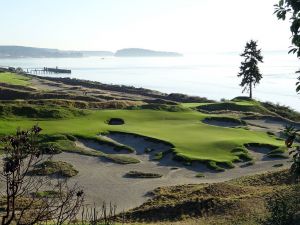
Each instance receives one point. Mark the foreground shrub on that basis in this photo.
(284, 208)
(23, 202)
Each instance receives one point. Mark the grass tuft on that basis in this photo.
(200, 175)
(138, 174)
(59, 168)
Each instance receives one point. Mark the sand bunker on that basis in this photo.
(107, 181)
(116, 121)
(260, 152)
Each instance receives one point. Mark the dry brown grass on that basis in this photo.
(241, 201)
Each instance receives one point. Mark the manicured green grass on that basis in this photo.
(191, 138)
(12, 78)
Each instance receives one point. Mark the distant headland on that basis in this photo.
(32, 52)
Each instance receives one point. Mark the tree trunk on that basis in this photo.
(250, 90)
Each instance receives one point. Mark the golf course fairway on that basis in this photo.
(192, 139)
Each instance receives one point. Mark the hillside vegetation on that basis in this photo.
(14, 79)
(244, 201)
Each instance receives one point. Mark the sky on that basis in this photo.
(186, 26)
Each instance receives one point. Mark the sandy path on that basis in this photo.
(105, 181)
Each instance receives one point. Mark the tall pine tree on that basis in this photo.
(249, 70)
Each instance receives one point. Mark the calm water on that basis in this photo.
(209, 75)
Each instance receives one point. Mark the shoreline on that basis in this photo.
(191, 75)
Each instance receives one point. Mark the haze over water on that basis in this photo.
(211, 75)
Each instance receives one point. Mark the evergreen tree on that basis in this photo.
(249, 70)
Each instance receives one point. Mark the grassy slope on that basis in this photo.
(242, 201)
(11, 78)
(191, 137)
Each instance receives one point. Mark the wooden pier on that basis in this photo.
(47, 70)
(44, 70)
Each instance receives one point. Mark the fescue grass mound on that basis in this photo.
(272, 179)
(235, 105)
(138, 174)
(222, 190)
(121, 159)
(198, 201)
(79, 104)
(58, 143)
(161, 107)
(58, 168)
(242, 201)
(284, 111)
(39, 111)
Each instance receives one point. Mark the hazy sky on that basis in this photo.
(173, 25)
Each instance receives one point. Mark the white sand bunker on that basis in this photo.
(142, 145)
(109, 182)
(265, 152)
(224, 122)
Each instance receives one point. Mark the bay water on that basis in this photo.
(211, 75)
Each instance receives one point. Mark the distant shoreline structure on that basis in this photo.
(7, 52)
